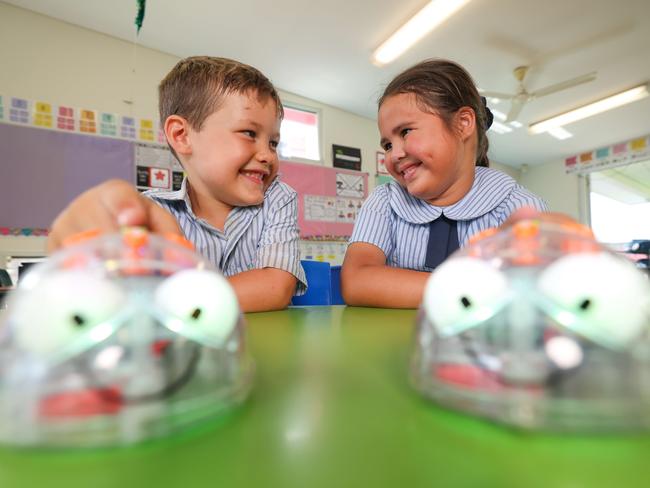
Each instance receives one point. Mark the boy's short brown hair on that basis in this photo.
(195, 87)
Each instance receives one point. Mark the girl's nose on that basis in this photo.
(397, 153)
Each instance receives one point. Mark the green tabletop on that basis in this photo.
(332, 407)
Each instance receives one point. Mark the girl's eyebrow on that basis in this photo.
(395, 130)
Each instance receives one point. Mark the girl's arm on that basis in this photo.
(367, 281)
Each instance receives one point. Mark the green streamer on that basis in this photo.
(140, 17)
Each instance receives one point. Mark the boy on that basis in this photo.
(222, 121)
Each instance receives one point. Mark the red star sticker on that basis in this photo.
(160, 175)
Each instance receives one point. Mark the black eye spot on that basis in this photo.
(466, 302)
(78, 320)
(585, 304)
(196, 313)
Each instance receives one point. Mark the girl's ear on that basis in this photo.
(465, 121)
(177, 131)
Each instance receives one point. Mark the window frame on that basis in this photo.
(319, 120)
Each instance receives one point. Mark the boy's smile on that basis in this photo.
(232, 159)
(422, 153)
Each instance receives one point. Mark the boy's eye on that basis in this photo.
(250, 133)
(404, 131)
(274, 144)
(199, 304)
(387, 146)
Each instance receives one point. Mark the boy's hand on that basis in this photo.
(107, 207)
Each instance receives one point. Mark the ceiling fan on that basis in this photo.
(522, 96)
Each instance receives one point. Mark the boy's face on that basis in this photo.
(233, 157)
(422, 154)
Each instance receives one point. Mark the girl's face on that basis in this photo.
(431, 161)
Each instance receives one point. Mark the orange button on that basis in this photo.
(135, 237)
(526, 229)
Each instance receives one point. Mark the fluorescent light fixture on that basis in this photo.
(500, 128)
(494, 101)
(603, 105)
(516, 124)
(432, 15)
(559, 133)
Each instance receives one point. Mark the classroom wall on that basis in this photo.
(563, 192)
(65, 64)
(61, 63)
(46, 59)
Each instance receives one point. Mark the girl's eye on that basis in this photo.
(387, 147)
(599, 296)
(201, 305)
(250, 133)
(64, 307)
(274, 144)
(462, 293)
(403, 132)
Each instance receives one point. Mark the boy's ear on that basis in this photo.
(465, 122)
(177, 132)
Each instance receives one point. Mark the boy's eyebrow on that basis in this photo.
(257, 125)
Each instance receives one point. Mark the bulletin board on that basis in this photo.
(329, 199)
(41, 171)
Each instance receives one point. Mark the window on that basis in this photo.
(620, 203)
(299, 134)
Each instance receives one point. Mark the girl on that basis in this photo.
(433, 124)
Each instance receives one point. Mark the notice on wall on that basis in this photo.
(156, 167)
(331, 209)
(348, 185)
(346, 157)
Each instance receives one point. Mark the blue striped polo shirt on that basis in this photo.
(398, 223)
(259, 236)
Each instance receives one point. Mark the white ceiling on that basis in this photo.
(322, 49)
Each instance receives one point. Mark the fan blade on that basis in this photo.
(564, 85)
(500, 96)
(515, 108)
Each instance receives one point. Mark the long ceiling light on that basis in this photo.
(432, 15)
(628, 96)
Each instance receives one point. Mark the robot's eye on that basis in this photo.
(66, 312)
(599, 296)
(199, 304)
(462, 293)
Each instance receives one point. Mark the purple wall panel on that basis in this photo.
(41, 171)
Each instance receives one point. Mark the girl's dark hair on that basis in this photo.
(443, 87)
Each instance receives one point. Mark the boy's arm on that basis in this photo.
(260, 290)
(367, 281)
(107, 207)
(272, 283)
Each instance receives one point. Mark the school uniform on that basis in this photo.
(399, 223)
(254, 237)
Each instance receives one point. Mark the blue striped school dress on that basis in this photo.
(398, 223)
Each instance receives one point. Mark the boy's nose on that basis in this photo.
(264, 155)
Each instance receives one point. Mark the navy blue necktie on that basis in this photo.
(443, 240)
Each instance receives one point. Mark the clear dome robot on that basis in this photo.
(538, 326)
(118, 339)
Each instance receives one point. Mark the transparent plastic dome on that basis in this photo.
(117, 339)
(538, 326)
